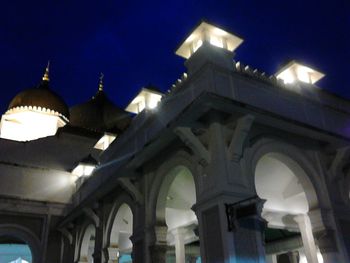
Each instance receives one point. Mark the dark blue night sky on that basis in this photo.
(133, 42)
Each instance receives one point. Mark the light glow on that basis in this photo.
(83, 169)
(197, 45)
(29, 123)
(216, 41)
(146, 99)
(105, 141)
(294, 71)
(208, 33)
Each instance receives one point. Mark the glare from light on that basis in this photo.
(104, 142)
(83, 169)
(211, 34)
(146, 99)
(219, 32)
(303, 74)
(152, 104)
(287, 76)
(294, 71)
(302, 257)
(319, 257)
(190, 38)
(29, 123)
(197, 45)
(216, 41)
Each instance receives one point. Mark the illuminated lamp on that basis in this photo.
(147, 98)
(295, 71)
(206, 32)
(105, 141)
(85, 167)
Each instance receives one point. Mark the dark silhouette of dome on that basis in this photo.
(100, 114)
(41, 96)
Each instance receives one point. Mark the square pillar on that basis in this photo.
(159, 248)
(231, 235)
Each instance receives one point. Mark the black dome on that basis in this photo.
(40, 96)
(99, 114)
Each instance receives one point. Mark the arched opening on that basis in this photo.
(14, 250)
(176, 197)
(289, 196)
(88, 244)
(120, 247)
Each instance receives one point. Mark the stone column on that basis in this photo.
(272, 258)
(324, 235)
(137, 239)
(113, 254)
(159, 248)
(307, 237)
(98, 255)
(234, 236)
(249, 231)
(179, 234)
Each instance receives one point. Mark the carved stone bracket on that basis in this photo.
(132, 189)
(93, 216)
(339, 161)
(67, 234)
(239, 137)
(190, 140)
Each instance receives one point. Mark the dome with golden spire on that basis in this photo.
(41, 98)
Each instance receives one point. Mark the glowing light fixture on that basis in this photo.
(30, 123)
(295, 71)
(85, 167)
(206, 32)
(147, 98)
(105, 141)
(24, 122)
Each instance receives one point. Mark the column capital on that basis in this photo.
(113, 253)
(244, 209)
(178, 231)
(161, 234)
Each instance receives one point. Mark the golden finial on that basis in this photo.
(46, 74)
(100, 85)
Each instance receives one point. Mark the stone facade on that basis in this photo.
(216, 125)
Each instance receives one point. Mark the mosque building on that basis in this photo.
(230, 165)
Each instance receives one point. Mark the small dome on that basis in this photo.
(99, 114)
(40, 96)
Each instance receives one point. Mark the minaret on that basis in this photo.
(209, 44)
(46, 74)
(100, 85)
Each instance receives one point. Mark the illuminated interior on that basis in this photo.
(295, 71)
(14, 251)
(105, 141)
(146, 99)
(211, 34)
(30, 123)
